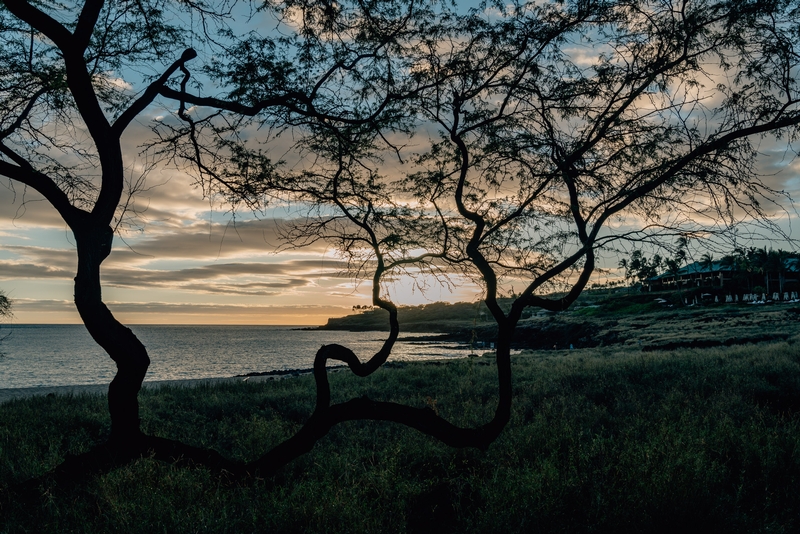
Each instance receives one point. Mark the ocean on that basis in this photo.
(65, 355)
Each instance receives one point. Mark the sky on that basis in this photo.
(184, 260)
(187, 259)
(187, 264)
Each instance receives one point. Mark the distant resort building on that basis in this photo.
(725, 278)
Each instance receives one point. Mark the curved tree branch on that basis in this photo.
(150, 93)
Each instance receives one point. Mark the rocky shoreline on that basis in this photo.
(667, 329)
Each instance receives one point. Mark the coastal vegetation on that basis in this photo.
(609, 439)
(599, 318)
(413, 139)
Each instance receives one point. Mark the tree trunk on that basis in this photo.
(130, 355)
(505, 333)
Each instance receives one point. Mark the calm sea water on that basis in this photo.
(65, 355)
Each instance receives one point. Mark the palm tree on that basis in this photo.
(707, 263)
(739, 266)
(771, 264)
(623, 264)
(776, 261)
(759, 263)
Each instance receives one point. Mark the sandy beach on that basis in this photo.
(101, 389)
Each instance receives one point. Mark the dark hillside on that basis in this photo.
(650, 321)
(437, 317)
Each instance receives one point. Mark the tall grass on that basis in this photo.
(599, 442)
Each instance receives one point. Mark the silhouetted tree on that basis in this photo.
(707, 262)
(766, 263)
(525, 152)
(5, 305)
(65, 105)
(640, 267)
(5, 311)
(66, 102)
(479, 143)
(62, 119)
(673, 265)
(773, 264)
(739, 266)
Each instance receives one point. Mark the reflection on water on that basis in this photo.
(62, 355)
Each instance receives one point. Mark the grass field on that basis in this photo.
(600, 440)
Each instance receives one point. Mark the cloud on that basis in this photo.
(23, 304)
(200, 241)
(22, 207)
(9, 270)
(63, 311)
(64, 259)
(301, 271)
(249, 289)
(204, 240)
(242, 278)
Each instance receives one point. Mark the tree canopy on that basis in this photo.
(509, 143)
(5, 305)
